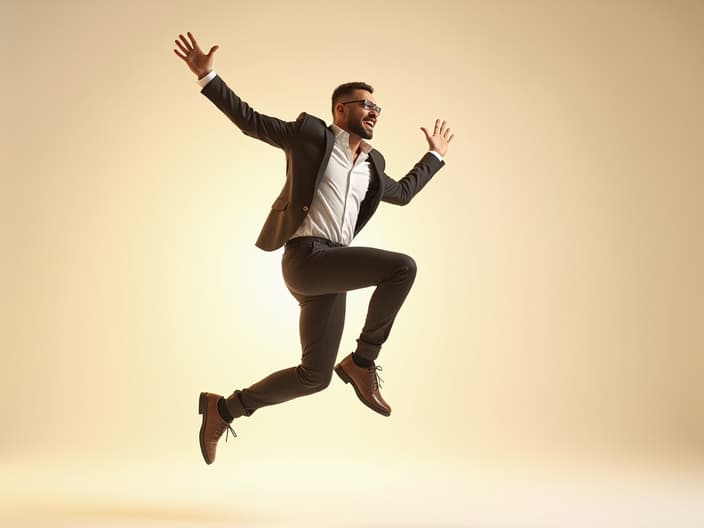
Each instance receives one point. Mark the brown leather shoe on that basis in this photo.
(365, 382)
(212, 427)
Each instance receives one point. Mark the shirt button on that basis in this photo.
(305, 208)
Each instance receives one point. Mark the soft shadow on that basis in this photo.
(140, 512)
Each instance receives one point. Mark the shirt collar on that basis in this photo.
(343, 137)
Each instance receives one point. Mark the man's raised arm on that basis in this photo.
(401, 192)
(271, 130)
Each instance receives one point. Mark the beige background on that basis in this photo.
(555, 325)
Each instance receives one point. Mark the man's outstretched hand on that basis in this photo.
(200, 63)
(440, 139)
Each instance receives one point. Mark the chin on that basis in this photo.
(362, 132)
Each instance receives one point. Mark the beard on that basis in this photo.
(360, 130)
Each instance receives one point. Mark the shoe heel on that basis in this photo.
(341, 373)
(202, 402)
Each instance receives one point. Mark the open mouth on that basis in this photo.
(370, 122)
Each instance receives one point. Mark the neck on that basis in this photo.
(355, 141)
(355, 145)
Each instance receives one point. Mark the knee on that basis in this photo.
(407, 266)
(314, 380)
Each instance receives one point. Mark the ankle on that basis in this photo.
(223, 411)
(361, 362)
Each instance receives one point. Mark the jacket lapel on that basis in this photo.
(378, 185)
(329, 140)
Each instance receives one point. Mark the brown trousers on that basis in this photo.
(319, 275)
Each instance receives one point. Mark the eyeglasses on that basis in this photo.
(369, 105)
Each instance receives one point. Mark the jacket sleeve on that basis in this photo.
(401, 192)
(269, 129)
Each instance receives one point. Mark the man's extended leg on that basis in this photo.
(321, 323)
(320, 326)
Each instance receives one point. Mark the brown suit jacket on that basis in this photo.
(307, 143)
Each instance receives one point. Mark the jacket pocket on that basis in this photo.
(280, 204)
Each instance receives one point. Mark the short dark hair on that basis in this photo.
(347, 89)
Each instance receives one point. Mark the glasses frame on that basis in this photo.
(369, 105)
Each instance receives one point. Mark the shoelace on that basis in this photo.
(228, 431)
(374, 373)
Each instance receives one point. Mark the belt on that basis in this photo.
(310, 241)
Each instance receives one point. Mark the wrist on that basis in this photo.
(202, 73)
(434, 152)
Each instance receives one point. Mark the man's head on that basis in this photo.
(354, 109)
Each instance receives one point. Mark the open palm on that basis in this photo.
(439, 141)
(199, 62)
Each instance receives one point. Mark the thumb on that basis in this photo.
(213, 50)
(427, 136)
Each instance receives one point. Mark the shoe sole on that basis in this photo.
(203, 409)
(344, 377)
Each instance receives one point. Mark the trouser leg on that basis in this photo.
(318, 277)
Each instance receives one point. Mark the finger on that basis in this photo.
(180, 56)
(181, 46)
(447, 132)
(437, 124)
(194, 43)
(442, 127)
(185, 42)
(450, 138)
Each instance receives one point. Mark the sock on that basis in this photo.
(361, 362)
(223, 412)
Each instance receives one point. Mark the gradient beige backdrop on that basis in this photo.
(559, 251)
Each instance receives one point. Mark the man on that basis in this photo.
(334, 183)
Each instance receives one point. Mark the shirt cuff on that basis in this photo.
(205, 80)
(437, 155)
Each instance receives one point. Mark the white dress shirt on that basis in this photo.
(335, 205)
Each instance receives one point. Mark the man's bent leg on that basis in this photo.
(323, 270)
(320, 268)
